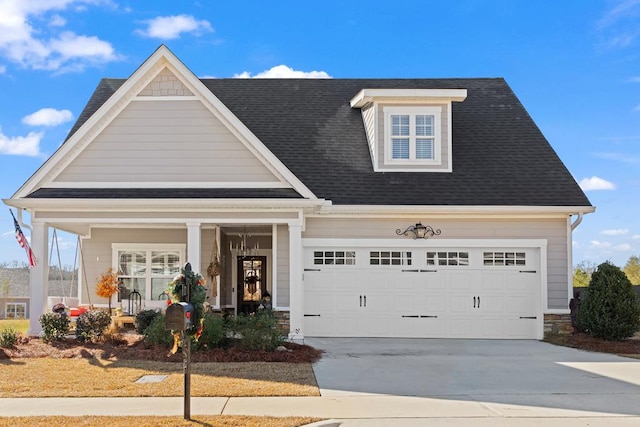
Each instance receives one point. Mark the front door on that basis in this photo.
(252, 275)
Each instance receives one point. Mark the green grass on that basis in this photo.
(20, 325)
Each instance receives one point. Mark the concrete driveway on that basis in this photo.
(509, 375)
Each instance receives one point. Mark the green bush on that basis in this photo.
(144, 319)
(213, 332)
(157, 334)
(91, 325)
(609, 309)
(256, 331)
(55, 326)
(8, 337)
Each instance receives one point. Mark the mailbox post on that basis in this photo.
(179, 317)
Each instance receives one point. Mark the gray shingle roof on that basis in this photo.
(500, 157)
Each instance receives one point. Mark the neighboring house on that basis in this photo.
(303, 189)
(14, 292)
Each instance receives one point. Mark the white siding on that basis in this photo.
(553, 230)
(97, 253)
(369, 118)
(166, 141)
(283, 267)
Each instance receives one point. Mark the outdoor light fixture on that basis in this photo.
(419, 231)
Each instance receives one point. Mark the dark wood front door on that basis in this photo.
(252, 282)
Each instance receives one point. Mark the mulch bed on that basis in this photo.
(132, 347)
(583, 341)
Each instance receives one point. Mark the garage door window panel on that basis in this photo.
(448, 258)
(389, 258)
(339, 257)
(504, 259)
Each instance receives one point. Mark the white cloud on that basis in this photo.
(171, 27)
(48, 117)
(600, 245)
(615, 232)
(636, 237)
(21, 145)
(623, 247)
(284, 72)
(3, 69)
(624, 9)
(48, 47)
(596, 183)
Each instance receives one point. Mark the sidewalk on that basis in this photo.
(347, 411)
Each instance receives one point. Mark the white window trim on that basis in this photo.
(15, 304)
(435, 111)
(115, 247)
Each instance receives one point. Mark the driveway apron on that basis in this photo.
(506, 373)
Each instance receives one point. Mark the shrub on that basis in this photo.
(213, 332)
(157, 334)
(610, 309)
(91, 325)
(8, 337)
(144, 319)
(55, 326)
(257, 331)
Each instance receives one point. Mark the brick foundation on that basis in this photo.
(284, 321)
(557, 324)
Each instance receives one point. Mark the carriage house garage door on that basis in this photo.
(419, 291)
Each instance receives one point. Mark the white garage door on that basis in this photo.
(448, 292)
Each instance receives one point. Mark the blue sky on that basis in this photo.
(574, 65)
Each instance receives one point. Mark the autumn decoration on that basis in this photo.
(108, 285)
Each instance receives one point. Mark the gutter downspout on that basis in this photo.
(22, 224)
(577, 222)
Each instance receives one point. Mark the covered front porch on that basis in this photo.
(256, 253)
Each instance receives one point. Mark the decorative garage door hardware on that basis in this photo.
(474, 302)
(528, 271)
(528, 317)
(312, 269)
(419, 271)
(419, 316)
(312, 315)
(365, 301)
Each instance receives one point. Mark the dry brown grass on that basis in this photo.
(217, 421)
(628, 348)
(45, 377)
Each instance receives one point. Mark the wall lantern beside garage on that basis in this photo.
(419, 231)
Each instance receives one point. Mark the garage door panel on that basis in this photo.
(472, 299)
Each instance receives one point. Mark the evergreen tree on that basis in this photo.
(610, 309)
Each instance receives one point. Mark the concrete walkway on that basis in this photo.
(348, 411)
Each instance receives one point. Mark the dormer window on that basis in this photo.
(409, 130)
(412, 135)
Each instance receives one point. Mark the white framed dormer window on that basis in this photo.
(412, 135)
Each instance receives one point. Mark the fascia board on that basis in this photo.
(374, 210)
(62, 205)
(369, 95)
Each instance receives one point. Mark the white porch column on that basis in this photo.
(38, 280)
(296, 291)
(194, 246)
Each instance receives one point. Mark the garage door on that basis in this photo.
(445, 292)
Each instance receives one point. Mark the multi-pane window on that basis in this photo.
(389, 258)
(448, 258)
(15, 310)
(411, 133)
(334, 257)
(148, 271)
(504, 258)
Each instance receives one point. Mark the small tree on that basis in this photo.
(107, 285)
(610, 309)
(632, 269)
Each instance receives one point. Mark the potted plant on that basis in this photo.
(107, 285)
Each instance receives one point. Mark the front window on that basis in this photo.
(412, 134)
(148, 270)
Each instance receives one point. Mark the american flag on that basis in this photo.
(22, 241)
